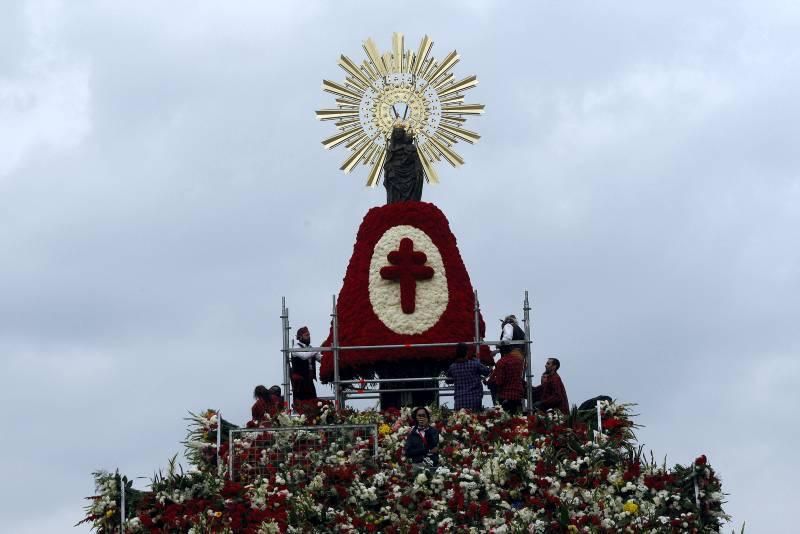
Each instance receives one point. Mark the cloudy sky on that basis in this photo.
(162, 186)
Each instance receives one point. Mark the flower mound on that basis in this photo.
(540, 473)
(371, 304)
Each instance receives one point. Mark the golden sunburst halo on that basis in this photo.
(401, 85)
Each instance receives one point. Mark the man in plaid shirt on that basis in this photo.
(466, 375)
(507, 378)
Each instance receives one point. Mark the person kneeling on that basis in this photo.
(551, 394)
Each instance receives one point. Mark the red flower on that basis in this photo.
(612, 423)
(701, 460)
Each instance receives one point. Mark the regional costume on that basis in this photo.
(507, 378)
(551, 394)
(419, 444)
(512, 332)
(304, 372)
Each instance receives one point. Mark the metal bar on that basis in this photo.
(285, 353)
(401, 390)
(230, 454)
(122, 504)
(409, 345)
(388, 380)
(477, 307)
(292, 428)
(373, 394)
(337, 390)
(528, 352)
(219, 442)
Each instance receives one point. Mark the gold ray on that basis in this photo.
(397, 49)
(330, 114)
(444, 138)
(344, 123)
(467, 83)
(355, 140)
(352, 69)
(353, 83)
(346, 101)
(433, 154)
(388, 62)
(352, 161)
(466, 109)
(429, 68)
(452, 99)
(450, 138)
(340, 90)
(339, 138)
(430, 171)
(377, 168)
(452, 157)
(377, 154)
(447, 79)
(467, 135)
(452, 121)
(370, 71)
(447, 63)
(374, 56)
(368, 154)
(422, 54)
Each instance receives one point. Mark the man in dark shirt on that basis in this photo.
(551, 393)
(466, 375)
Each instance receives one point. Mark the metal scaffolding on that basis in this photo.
(341, 388)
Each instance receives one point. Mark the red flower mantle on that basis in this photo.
(358, 322)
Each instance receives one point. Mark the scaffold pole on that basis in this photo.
(477, 326)
(337, 389)
(528, 352)
(285, 352)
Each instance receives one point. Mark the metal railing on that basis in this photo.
(292, 449)
(340, 394)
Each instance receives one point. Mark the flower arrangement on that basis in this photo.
(539, 473)
(370, 307)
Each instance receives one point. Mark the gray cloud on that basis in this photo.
(162, 186)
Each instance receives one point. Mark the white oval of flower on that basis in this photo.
(384, 295)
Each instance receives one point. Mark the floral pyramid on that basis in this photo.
(540, 473)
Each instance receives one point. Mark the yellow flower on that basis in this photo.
(217, 514)
(631, 507)
(384, 429)
(572, 529)
(109, 513)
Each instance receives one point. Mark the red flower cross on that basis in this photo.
(408, 266)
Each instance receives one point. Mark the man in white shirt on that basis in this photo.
(304, 367)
